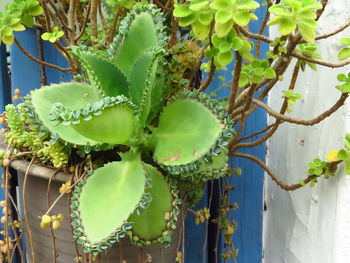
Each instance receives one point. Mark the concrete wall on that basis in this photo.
(311, 225)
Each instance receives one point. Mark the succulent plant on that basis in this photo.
(170, 142)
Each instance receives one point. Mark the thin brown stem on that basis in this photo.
(210, 77)
(338, 30)
(53, 238)
(102, 17)
(114, 26)
(43, 79)
(59, 15)
(237, 74)
(71, 20)
(274, 177)
(318, 119)
(25, 214)
(25, 52)
(261, 32)
(254, 36)
(320, 62)
(234, 147)
(93, 18)
(82, 30)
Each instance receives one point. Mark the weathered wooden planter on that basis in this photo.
(36, 199)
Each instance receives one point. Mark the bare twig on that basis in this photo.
(320, 62)
(254, 36)
(93, 17)
(261, 32)
(82, 30)
(24, 201)
(321, 117)
(238, 69)
(274, 177)
(210, 77)
(338, 30)
(25, 52)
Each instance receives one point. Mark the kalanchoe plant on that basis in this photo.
(135, 126)
(122, 104)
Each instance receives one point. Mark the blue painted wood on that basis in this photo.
(249, 186)
(248, 191)
(25, 73)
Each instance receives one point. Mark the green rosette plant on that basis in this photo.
(169, 143)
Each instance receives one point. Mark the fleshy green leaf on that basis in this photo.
(344, 53)
(222, 16)
(223, 29)
(141, 36)
(104, 74)
(114, 125)
(201, 31)
(342, 155)
(205, 18)
(270, 73)
(187, 130)
(182, 11)
(221, 4)
(287, 26)
(199, 6)
(345, 41)
(73, 96)
(152, 222)
(242, 18)
(108, 198)
(225, 58)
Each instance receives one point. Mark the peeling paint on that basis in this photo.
(310, 225)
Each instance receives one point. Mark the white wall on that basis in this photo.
(311, 225)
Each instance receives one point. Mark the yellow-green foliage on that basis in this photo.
(23, 133)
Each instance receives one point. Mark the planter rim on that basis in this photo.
(35, 169)
(39, 171)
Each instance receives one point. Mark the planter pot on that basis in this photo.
(37, 204)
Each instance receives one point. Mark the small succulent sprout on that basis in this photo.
(53, 36)
(293, 14)
(344, 53)
(66, 187)
(56, 224)
(45, 221)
